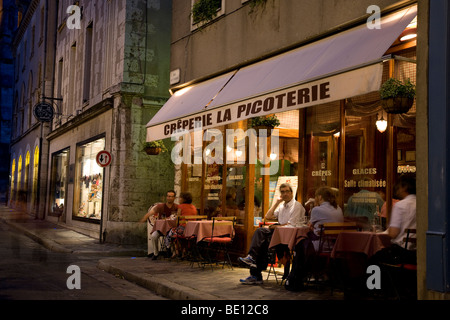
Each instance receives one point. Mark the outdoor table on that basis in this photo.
(202, 229)
(288, 235)
(365, 242)
(164, 225)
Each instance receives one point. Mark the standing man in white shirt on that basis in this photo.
(288, 212)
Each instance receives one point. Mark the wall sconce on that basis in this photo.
(381, 124)
(273, 156)
(408, 34)
(238, 153)
(337, 134)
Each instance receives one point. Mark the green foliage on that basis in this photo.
(395, 88)
(271, 121)
(205, 10)
(255, 3)
(155, 144)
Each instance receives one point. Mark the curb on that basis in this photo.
(159, 286)
(49, 244)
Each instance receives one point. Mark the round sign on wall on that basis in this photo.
(44, 112)
(103, 158)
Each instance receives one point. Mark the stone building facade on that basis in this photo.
(33, 50)
(110, 75)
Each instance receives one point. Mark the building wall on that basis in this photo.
(244, 34)
(33, 50)
(8, 23)
(130, 67)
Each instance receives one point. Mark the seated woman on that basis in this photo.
(185, 208)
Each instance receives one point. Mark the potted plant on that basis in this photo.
(396, 96)
(267, 123)
(205, 10)
(154, 147)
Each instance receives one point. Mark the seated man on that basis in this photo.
(403, 217)
(161, 211)
(287, 211)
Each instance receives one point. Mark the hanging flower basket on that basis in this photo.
(397, 105)
(261, 133)
(260, 123)
(397, 97)
(152, 150)
(154, 147)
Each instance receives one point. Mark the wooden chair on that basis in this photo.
(329, 232)
(221, 244)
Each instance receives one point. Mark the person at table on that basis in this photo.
(160, 211)
(288, 212)
(326, 210)
(403, 217)
(185, 208)
(363, 206)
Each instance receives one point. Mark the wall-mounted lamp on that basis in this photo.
(408, 34)
(381, 124)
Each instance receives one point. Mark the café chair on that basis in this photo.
(183, 220)
(403, 276)
(322, 264)
(221, 244)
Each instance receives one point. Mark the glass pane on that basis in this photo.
(58, 189)
(235, 192)
(365, 160)
(89, 181)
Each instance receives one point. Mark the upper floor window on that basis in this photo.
(204, 11)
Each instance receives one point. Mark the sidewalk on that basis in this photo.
(176, 280)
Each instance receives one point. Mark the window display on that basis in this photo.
(58, 188)
(89, 190)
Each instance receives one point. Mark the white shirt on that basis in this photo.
(290, 213)
(404, 217)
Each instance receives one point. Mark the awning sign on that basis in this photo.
(334, 88)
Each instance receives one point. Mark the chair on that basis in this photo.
(182, 220)
(221, 243)
(327, 238)
(403, 275)
(272, 256)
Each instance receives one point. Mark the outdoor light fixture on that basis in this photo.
(408, 34)
(381, 124)
(182, 91)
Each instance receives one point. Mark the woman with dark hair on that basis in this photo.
(185, 208)
(326, 210)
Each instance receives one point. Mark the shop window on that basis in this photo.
(58, 188)
(27, 175)
(19, 179)
(35, 175)
(13, 179)
(89, 182)
(321, 148)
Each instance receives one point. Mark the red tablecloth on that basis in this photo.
(164, 225)
(288, 235)
(363, 242)
(202, 229)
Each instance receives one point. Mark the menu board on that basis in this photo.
(292, 180)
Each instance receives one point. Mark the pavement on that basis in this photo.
(173, 279)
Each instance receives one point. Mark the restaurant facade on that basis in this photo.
(320, 77)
